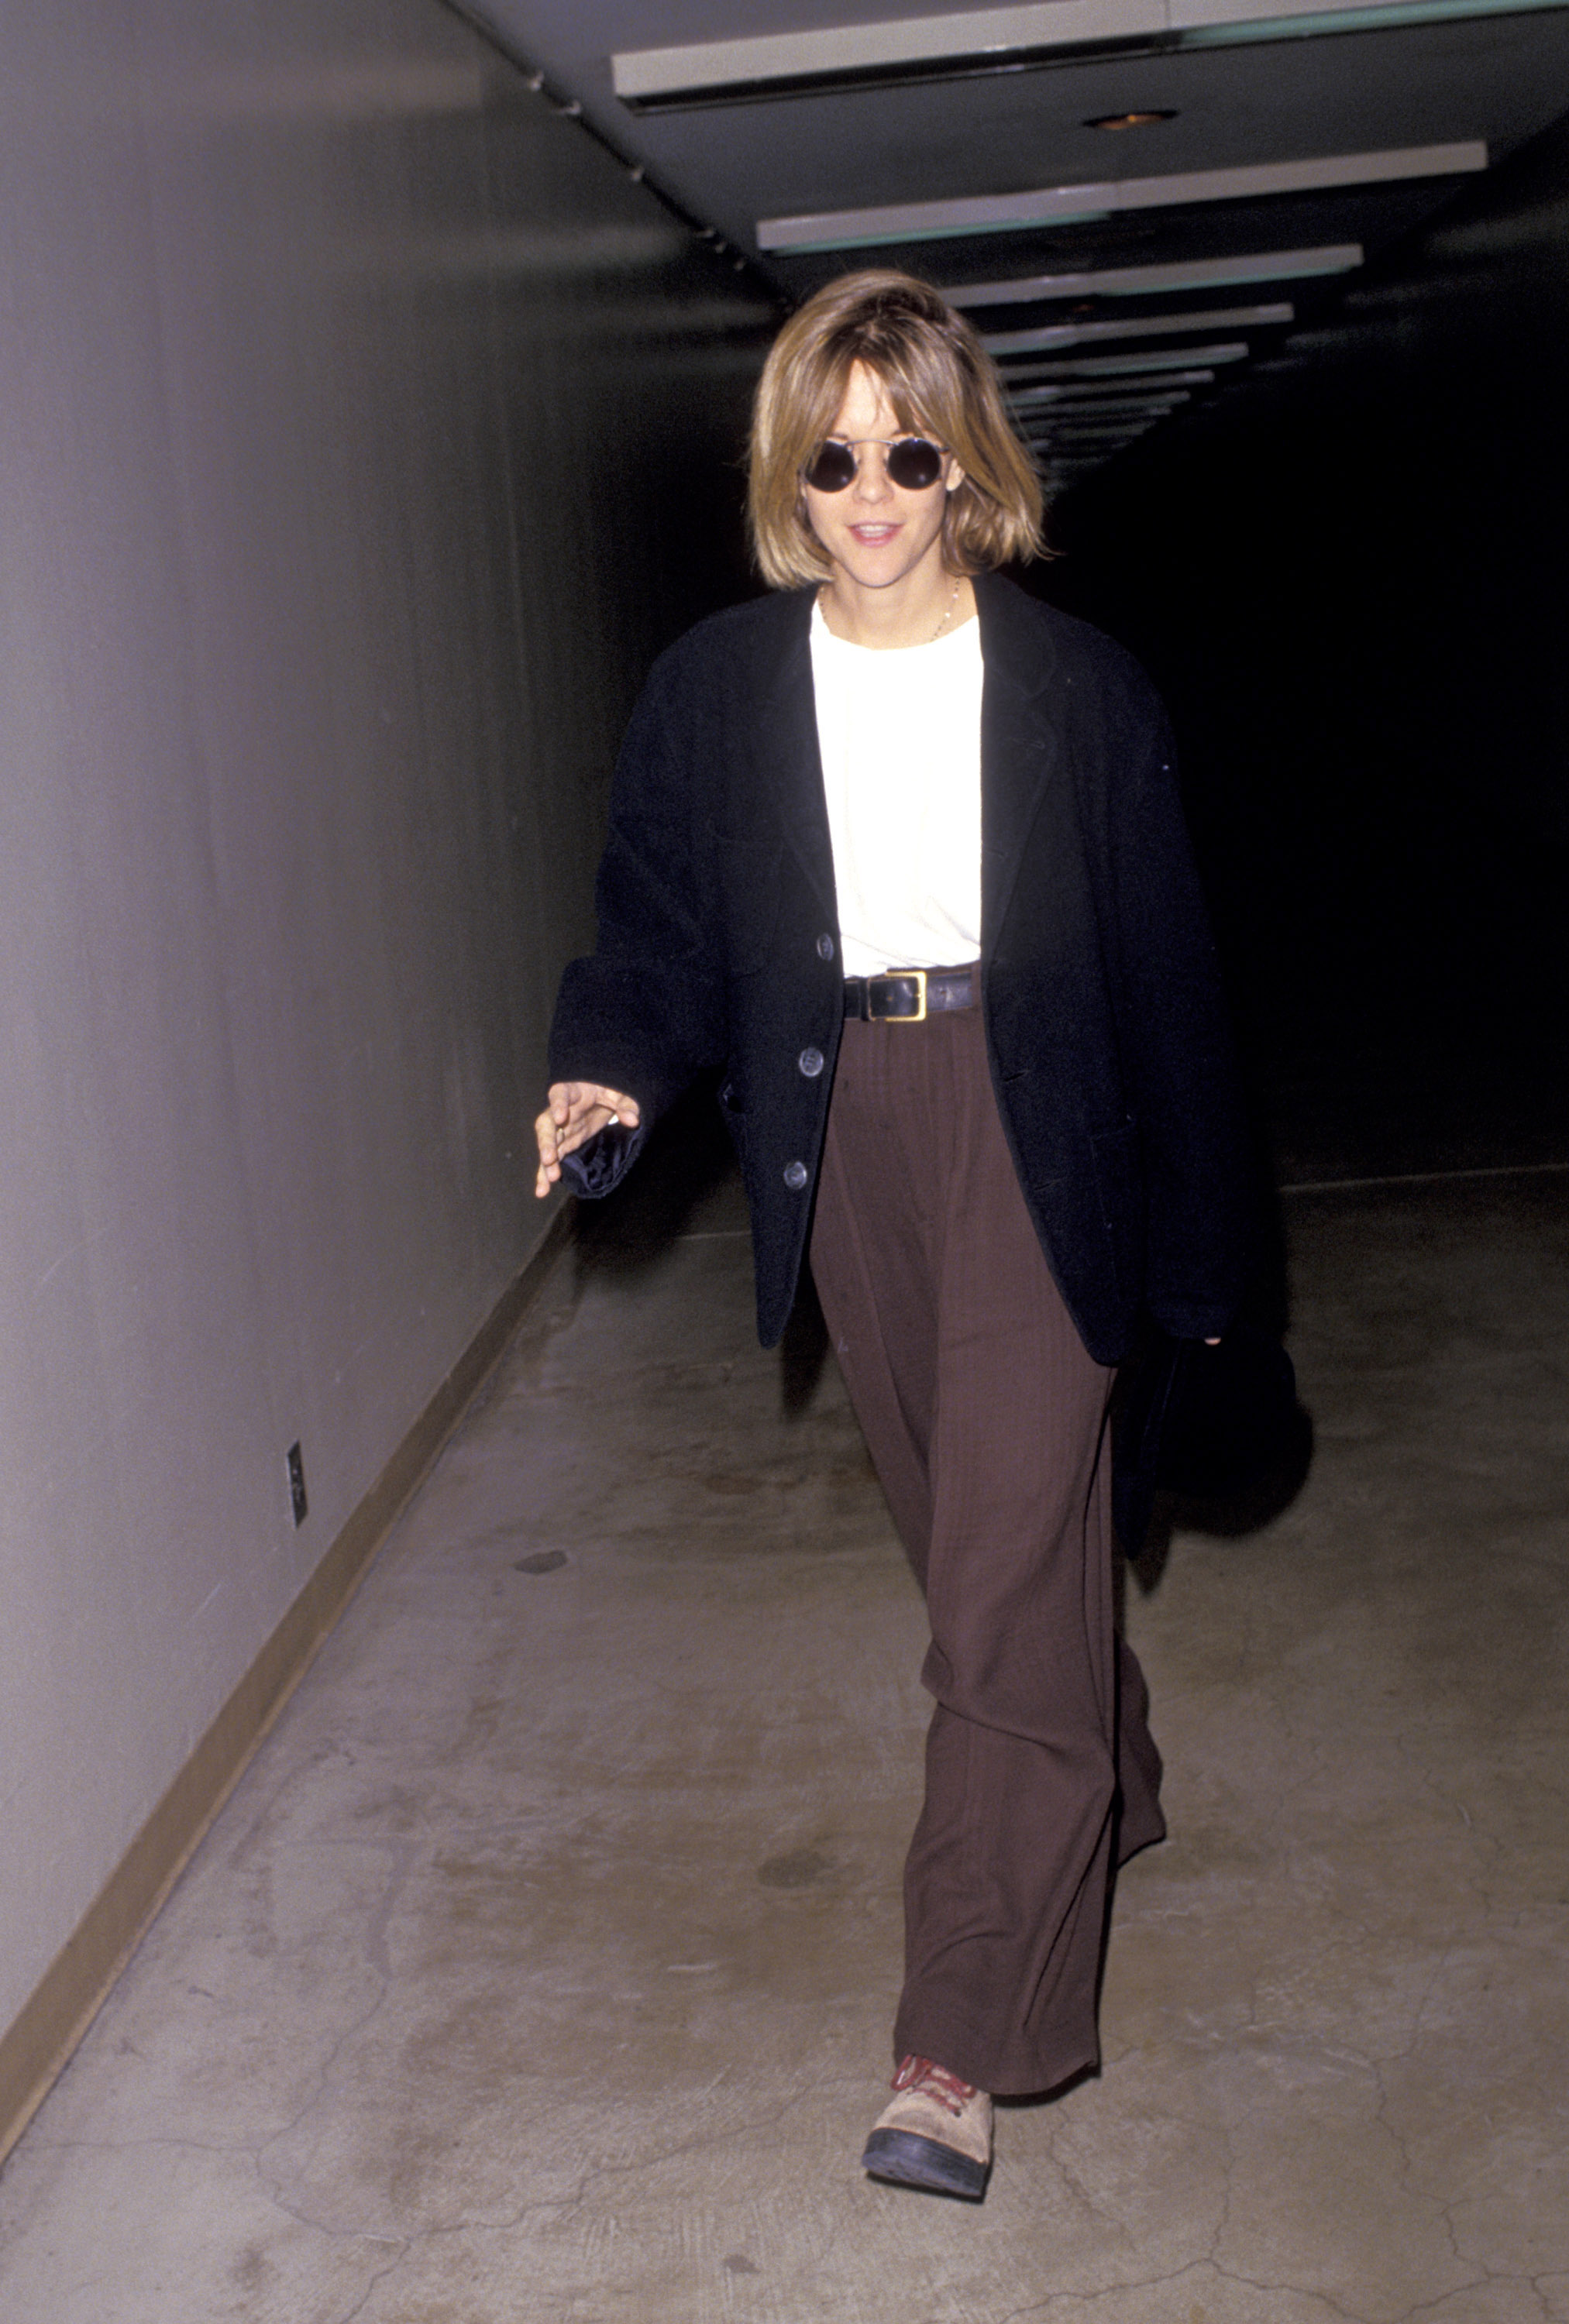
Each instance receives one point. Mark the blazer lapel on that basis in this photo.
(1021, 740)
(1021, 743)
(790, 762)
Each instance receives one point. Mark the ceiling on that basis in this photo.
(1295, 143)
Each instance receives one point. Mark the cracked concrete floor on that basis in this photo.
(540, 1970)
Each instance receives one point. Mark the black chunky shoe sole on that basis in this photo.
(904, 2159)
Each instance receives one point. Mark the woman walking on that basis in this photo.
(898, 850)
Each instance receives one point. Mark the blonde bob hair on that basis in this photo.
(942, 384)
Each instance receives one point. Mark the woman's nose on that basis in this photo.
(871, 473)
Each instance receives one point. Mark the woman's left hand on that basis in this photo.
(576, 1111)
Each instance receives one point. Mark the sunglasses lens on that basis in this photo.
(830, 467)
(913, 463)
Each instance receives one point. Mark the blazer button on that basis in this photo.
(810, 1062)
(795, 1176)
(825, 947)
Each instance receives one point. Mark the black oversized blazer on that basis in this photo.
(718, 946)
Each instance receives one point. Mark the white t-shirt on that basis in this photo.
(899, 734)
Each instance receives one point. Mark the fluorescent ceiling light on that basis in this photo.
(1051, 415)
(1039, 435)
(1124, 395)
(1181, 274)
(1137, 327)
(1041, 408)
(1099, 395)
(1116, 414)
(770, 62)
(984, 41)
(1090, 431)
(1076, 455)
(1118, 367)
(1096, 388)
(1061, 435)
(1058, 205)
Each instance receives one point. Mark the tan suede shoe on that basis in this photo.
(937, 2134)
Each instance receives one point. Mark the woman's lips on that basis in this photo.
(873, 534)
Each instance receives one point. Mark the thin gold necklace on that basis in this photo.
(948, 616)
(826, 591)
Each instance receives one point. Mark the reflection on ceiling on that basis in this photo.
(1147, 170)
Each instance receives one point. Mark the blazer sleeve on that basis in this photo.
(644, 1012)
(1180, 1063)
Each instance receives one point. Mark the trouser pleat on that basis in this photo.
(986, 1418)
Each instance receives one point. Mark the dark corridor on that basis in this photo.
(1350, 581)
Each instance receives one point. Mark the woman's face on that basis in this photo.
(877, 532)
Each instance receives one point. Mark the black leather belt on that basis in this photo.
(908, 996)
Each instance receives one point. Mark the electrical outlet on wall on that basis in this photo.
(296, 1499)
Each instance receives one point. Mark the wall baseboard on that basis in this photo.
(35, 2049)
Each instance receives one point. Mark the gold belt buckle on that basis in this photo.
(906, 976)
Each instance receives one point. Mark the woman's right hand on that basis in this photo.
(574, 1112)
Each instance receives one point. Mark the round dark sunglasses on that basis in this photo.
(913, 463)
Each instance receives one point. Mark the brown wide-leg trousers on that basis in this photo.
(986, 1418)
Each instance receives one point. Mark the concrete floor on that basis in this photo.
(540, 1972)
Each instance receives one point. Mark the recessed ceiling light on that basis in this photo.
(1128, 120)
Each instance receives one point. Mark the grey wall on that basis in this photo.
(361, 429)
